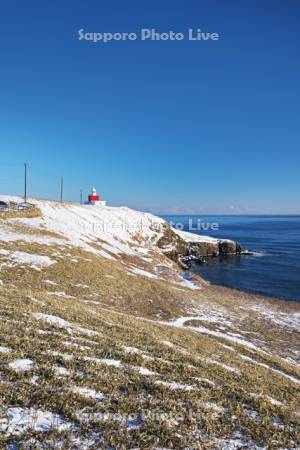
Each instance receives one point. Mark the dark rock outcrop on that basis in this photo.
(186, 252)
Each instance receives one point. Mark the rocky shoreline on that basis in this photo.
(186, 248)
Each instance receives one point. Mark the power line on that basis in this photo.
(61, 189)
(25, 182)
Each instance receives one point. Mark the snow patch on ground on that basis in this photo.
(204, 380)
(52, 320)
(287, 320)
(144, 371)
(89, 393)
(75, 345)
(168, 344)
(5, 349)
(211, 407)
(190, 284)
(144, 273)
(238, 442)
(19, 420)
(131, 421)
(65, 356)
(105, 361)
(52, 283)
(21, 365)
(272, 400)
(86, 331)
(192, 237)
(33, 260)
(60, 294)
(61, 371)
(62, 323)
(7, 235)
(120, 365)
(132, 350)
(175, 386)
(180, 323)
(220, 364)
(273, 369)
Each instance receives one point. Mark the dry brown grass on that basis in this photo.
(233, 387)
(108, 281)
(29, 214)
(212, 411)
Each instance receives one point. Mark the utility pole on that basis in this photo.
(25, 182)
(61, 189)
(81, 196)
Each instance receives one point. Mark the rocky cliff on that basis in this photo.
(121, 233)
(186, 248)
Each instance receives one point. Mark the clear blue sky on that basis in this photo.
(165, 126)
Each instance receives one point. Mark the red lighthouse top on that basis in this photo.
(94, 197)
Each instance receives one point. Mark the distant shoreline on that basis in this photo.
(274, 268)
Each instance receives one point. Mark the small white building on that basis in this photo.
(94, 199)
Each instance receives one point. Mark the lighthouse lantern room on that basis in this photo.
(94, 199)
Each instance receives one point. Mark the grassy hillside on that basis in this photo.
(105, 350)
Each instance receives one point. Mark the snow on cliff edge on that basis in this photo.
(119, 230)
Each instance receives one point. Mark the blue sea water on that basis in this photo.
(274, 270)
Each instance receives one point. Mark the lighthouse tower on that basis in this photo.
(94, 199)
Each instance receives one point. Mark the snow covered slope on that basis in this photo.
(120, 230)
(83, 225)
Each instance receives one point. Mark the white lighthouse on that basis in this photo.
(94, 199)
